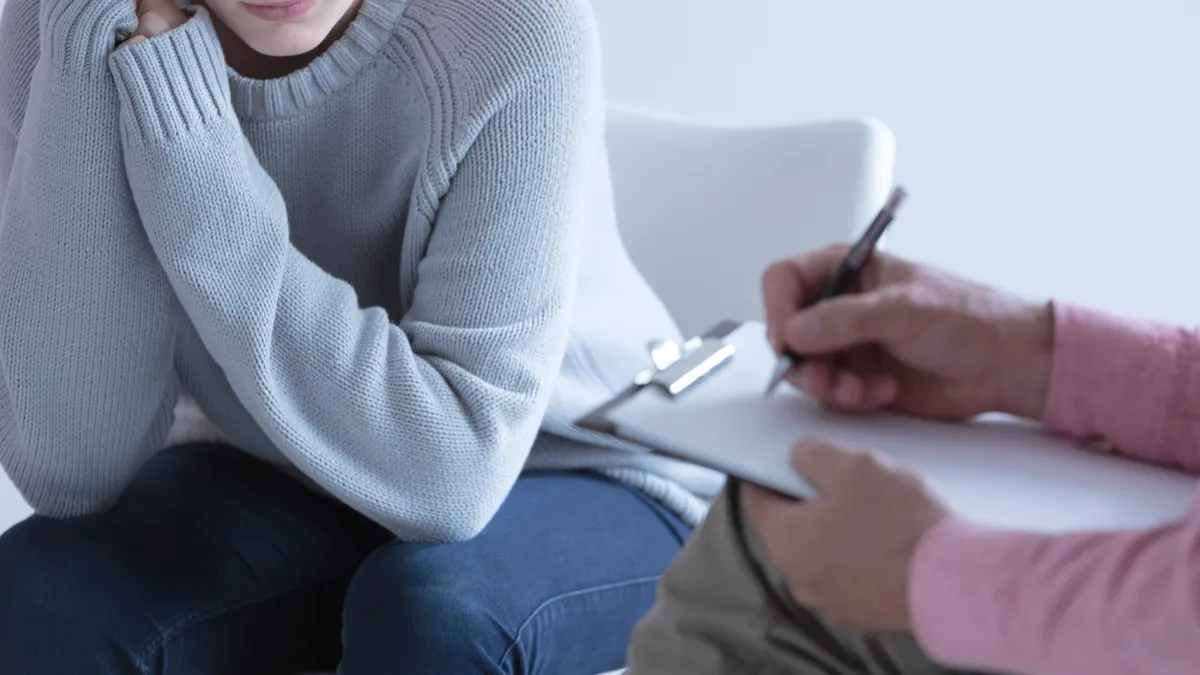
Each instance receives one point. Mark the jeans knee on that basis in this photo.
(407, 614)
(51, 619)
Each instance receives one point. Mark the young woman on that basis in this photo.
(354, 263)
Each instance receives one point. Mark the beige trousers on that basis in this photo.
(722, 610)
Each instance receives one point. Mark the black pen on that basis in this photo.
(846, 274)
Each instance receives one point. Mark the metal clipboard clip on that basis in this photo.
(676, 369)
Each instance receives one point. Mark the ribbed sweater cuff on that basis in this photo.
(79, 35)
(174, 84)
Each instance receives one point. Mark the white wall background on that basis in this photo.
(1050, 145)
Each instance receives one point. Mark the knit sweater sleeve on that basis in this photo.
(424, 424)
(86, 378)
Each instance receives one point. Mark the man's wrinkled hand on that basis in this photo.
(910, 338)
(847, 553)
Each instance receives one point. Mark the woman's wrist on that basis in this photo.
(174, 85)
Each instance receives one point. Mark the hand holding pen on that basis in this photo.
(909, 338)
(846, 274)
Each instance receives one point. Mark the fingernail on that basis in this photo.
(153, 24)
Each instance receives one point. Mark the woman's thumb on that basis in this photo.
(159, 16)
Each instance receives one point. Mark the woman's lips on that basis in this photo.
(280, 11)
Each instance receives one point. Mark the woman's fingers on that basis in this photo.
(152, 24)
(156, 17)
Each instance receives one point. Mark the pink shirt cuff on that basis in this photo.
(1115, 379)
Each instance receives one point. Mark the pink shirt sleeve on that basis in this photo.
(1134, 383)
(1095, 604)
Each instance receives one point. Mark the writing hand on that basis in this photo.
(910, 338)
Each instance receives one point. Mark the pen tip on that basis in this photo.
(776, 378)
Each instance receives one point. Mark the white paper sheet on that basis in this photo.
(997, 471)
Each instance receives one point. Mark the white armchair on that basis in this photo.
(13, 508)
(704, 209)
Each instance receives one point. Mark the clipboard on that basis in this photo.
(702, 402)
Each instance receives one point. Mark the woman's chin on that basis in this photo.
(285, 41)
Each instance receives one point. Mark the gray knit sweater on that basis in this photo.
(395, 272)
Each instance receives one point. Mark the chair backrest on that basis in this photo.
(704, 209)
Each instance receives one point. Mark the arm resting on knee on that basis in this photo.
(86, 334)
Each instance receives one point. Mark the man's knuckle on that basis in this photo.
(862, 462)
(858, 319)
(774, 272)
(867, 309)
(778, 283)
(898, 297)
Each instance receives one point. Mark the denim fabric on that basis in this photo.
(213, 562)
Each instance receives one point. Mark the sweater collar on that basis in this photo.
(356, 50)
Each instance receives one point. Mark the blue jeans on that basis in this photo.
(214, 563)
